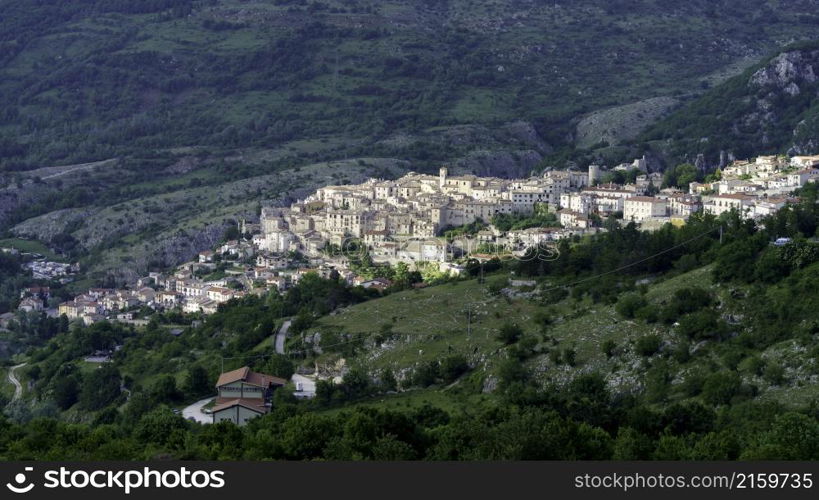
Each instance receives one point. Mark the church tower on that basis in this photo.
(442, 173)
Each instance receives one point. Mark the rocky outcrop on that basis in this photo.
(46, 227)
(787, 71)
(771, 109)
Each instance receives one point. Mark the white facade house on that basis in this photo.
(640, 208)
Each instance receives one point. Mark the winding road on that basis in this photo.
(281, 335)
(18, 387)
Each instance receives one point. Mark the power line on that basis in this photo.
(575, 283)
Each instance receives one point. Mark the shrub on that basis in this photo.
(509, 333)
(720, 387)
(608, 347)
(629, 304)
(648, 345)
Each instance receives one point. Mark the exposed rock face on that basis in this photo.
(47, 226)
(787, 70)
(786, 77)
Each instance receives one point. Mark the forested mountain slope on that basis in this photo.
(772, 107)
(113, 106)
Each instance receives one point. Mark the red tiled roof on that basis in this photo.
(249, 377)
(250, 404)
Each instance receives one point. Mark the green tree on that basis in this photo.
(509, 333)
(720, 387)
(66, 392)
(198, 381)
(165, 390)
(100, 387)
(648, 345)
(629, 303)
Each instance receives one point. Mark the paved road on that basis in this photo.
(18, 387)
(281, 336)
(195, 411)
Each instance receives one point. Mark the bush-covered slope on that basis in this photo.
(771, 107)
(90, 80)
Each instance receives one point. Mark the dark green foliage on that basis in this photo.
(164, 389)
(648, 345)
(452, 367)
(277, 365)
(726, 116)
(198, 381)
(701, 325)
(685, 301)
(681, 176)
(515, 222)
(509, 333)
(66, 391)
(720, 387)
(622, 248)
(629, 303)
(608, 347)
(100, 387)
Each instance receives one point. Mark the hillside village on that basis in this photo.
(404, 221)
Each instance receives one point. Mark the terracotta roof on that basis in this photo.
(249, 377)
(250, 404)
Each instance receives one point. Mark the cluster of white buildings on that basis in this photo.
(48, 270)
(759, 187)
(402, 220)
(180, 290)
(754, 188)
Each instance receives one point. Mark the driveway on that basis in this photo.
(195, 411)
